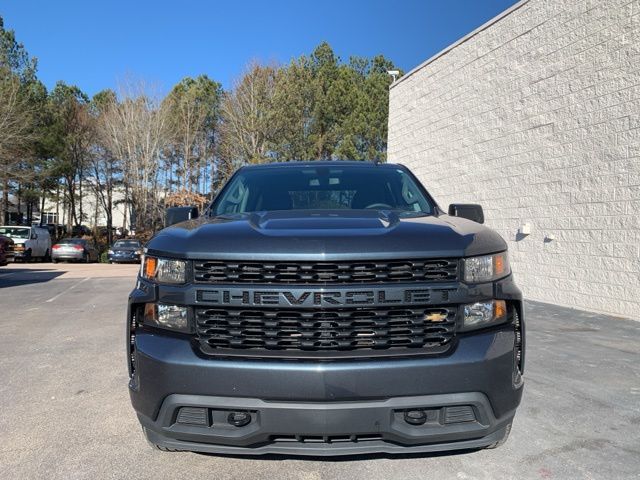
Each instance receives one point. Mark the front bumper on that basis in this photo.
(291, 402)
(327, 428)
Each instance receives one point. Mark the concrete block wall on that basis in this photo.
(536, 116)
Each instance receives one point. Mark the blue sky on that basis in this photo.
(94, 44)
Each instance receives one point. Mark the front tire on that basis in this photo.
(155, 446)
(503, 440)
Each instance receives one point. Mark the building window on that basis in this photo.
(50, 218)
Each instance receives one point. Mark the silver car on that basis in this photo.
(74, 249)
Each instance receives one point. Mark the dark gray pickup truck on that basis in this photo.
(325, 308)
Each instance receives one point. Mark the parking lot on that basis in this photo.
(65, 412)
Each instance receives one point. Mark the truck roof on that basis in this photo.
(321, 163)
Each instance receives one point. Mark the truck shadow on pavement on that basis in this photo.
(16, 276)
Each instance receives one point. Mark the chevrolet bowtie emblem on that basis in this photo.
(436, 317)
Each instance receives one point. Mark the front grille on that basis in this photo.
(380, 329)
(375, 271)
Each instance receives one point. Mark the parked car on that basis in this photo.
(6, 250)
(30, 241)
(129, 250)
(74, 249)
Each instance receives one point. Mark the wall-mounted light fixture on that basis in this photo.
(525, 229)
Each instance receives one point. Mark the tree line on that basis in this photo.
(180, 147)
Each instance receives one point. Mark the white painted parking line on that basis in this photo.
(68, 289)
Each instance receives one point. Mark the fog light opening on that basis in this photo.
(239, 419)
(193, 416)
(415, 417)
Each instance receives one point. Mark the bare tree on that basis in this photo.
(134, 129)
(105, 170)
(247, 128)
(187, 120)
(16, 130)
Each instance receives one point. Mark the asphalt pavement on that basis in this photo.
(65, 411)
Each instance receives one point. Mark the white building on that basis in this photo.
(536, 116)
(56, 211)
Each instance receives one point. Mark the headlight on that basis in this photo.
(110, 252)
(138, 252)
(164, 270)
(484, 314)
(171, 317)
(486, 268)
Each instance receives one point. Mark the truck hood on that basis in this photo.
(324, 235)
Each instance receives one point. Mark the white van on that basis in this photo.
(30, 242)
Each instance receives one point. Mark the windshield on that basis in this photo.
(323, 188)
(15, 232)
(127, 244)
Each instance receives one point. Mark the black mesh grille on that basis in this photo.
(377, 271)
(326, 330)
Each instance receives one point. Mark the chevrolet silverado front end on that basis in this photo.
(325, 308)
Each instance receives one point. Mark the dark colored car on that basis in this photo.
(6, 250)
(55, 231)
(326, 308)
(80, 231)
(125, 251)
(74, 249)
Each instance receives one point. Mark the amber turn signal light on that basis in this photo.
(499, 309)
(150, 266)
(499, 265)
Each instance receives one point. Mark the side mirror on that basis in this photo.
(179, 214)
(470, 211)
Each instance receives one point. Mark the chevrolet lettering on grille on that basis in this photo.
(244, 297)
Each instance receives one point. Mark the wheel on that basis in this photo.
(155, 446)
(110, 262)
(503, 440)
(27, 257)
(161, 448)
(55, 260)
(47, 256)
